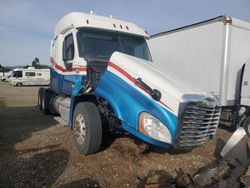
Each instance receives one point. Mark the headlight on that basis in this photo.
(154, 128)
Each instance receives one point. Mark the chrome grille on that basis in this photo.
(198, 123)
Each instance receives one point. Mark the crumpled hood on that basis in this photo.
(171, 90)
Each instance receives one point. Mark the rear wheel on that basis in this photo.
(39, 99)
(87, 128)
(45, 101)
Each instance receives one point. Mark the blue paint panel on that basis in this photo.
(78, 87)
(62, 84)
(128, 103)
(56, 81)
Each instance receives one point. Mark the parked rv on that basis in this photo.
(212, 56)
(29, 76)
(103, 80)
(6, 75)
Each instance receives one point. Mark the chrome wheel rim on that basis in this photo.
(80, 129)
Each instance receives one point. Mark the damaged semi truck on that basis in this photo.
(103, 80)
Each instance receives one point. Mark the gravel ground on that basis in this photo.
(36, 151)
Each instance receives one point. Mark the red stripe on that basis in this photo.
(166, 105)
(58, 67)
(127, 75)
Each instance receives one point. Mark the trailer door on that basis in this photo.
(245, 85)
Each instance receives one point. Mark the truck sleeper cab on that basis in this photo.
(103, 79)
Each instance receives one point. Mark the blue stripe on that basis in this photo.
(62, 84)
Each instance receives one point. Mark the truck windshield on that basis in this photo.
(100, 44)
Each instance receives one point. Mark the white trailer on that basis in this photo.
(212, 56)
(30, 76)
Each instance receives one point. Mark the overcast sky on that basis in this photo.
(26, 26)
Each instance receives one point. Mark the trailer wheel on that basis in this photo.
(246, 125)
(45, 101)
(39, 98)
(87, 128)
(18, 84)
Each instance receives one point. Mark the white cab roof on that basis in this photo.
(79, 19)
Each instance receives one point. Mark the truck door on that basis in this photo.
(68, 58)
(245, 85)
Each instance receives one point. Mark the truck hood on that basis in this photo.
(171, 90)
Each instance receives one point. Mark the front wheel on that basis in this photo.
(87, 128)
(19, 84)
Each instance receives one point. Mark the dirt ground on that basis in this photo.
(37, 151)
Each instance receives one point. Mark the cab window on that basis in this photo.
(17, 74)
(68, 48)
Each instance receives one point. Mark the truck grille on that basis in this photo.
(198, 123)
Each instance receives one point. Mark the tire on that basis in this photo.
(87, 128)
(19, 84)
(246, 125)
(39, 98)
(45, 101)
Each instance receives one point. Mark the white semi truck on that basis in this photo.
(212, 56)
(103, 79)
(30, 77)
